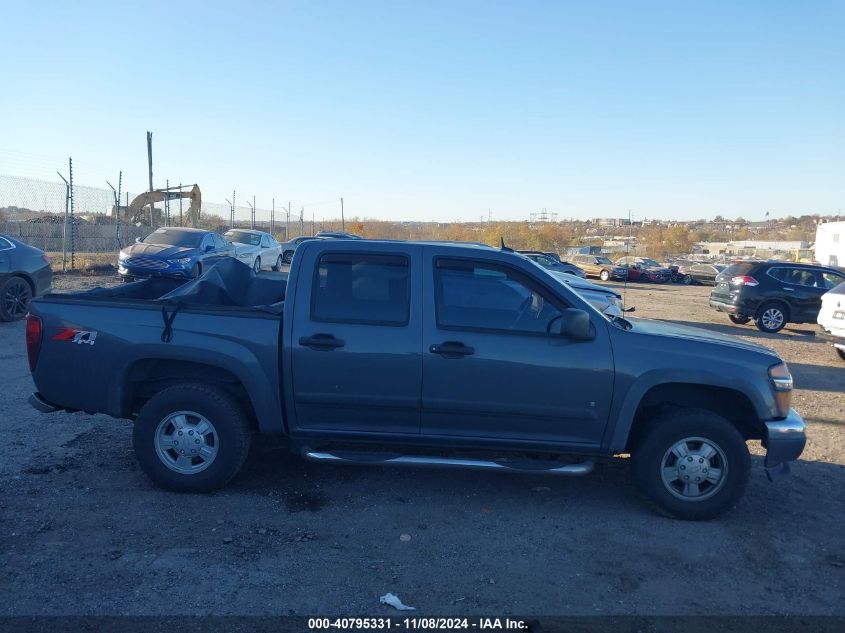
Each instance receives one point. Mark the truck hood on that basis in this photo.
(158, 250)
(654, 327)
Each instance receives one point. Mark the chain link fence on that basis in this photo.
(71, 226)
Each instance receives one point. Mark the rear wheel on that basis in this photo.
(771, 317)
(15, 297)
(256, 265)
(277, 266)
(288, 257)
(604, 275)
(191, 438)
(691, 463)
(739, 320)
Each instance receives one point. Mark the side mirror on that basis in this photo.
(576, 324)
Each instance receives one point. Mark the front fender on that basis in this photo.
(628, 399)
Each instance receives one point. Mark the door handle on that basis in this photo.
(321, 341)
(451, 349)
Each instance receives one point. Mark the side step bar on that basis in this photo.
(391, 459)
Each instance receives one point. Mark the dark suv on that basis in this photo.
(772, 293)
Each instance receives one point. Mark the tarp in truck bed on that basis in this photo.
(227, 283)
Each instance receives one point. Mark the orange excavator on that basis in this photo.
(142, 210)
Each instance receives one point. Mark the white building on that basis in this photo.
(830, 243)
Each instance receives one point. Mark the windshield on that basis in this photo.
(650, 262)
(603, 260)
(543, 260)
(174, 237)
(242, 237)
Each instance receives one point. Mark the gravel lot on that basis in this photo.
(82, 531)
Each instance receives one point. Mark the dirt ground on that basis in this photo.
(82, 531)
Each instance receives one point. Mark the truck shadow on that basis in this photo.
(302, 486)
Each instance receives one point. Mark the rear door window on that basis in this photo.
(361, 288)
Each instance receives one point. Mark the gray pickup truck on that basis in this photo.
(419, 354)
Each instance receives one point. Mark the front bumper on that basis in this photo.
(145, 273)
(784, 441)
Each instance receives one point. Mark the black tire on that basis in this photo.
(256, 265)
(196, 271)
(841, 352)
(288, 257)
(278, 264)
(604, 275)
(739, 320)
(652, 450)
(687, 280)
(229, 422)
(15, 297)
(771, 317)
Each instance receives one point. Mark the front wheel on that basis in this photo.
(691, 464)
(604, 275)
(191, 438)
(739, 320)
(278, 265)
(256, 265)
(687, 280)
(288, 257)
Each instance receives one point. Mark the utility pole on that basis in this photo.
(150, 167)
(252, 207)
(342, 219)
(301, 223)
(72, 223)
(272, 214)
(231, 213)
(180, 205)
(116, 193)
(167, 202)
(64, 230)
(233, 208)
(312, 223)
(287, 224)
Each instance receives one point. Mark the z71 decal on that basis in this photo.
(80, 337)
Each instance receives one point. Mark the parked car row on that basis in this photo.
(182, 252)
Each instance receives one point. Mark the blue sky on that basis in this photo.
(439, 110)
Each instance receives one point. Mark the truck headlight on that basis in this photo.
(782, 385)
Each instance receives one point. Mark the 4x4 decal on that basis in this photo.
(72, 335)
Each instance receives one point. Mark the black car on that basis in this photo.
(25, 273)
(772, 293)
(698, 273)
(550, 263)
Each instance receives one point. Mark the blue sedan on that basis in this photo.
(173, 252)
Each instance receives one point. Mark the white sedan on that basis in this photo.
(255, 248)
